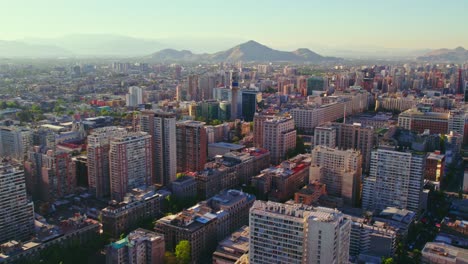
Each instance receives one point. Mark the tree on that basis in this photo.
(300, 146)
(180, 175)
(182, 252)
(387, 261)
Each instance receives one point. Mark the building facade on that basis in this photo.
(130, 163)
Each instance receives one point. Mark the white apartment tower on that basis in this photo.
(15, 142)
(16, 212)
(396, 180)
(296, 234)
(134, 96)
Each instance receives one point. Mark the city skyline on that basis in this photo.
(317, 24)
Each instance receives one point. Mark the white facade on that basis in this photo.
(325, 136)
(399, 179)
(134, 96)
(16, 212)
(15, 142)
(285, 233)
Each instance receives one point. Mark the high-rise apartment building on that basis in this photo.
(16, 212)
(98, 159)
(396, 180)
(130, 164)
(279, 136)
(193, 89)
(325, 136)
(140, 246)
(259, 127)
(134, 96)
(339, 170)
(15, 142)
(296, 234)
(162, 128)
(357, 137)
(192, 148)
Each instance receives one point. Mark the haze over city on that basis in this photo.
(330, 27)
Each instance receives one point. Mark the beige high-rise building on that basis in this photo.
(130, 161)
(162, 128)
(279, 136)
(297, 234)
(339, 170)
(98, 159)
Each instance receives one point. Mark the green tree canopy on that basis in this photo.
(182, 252)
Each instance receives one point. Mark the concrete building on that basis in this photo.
(162, 128)
(284, 233)
(50, 175)
(325, 136)
(184, 187)
(191, 142)
(396, 180)
(435, 252)
(310, 194)
(279, 136)
(97, 153)
(206, 223)
(371, 238)
(435, 166)
(233, 247)
(281, 182)
(221, 148)
(15, 142)
(339, 170)
(417, 121)
(140, 247)
(130, 163)
(16, 212)
(357, 137)
(137, 205)
(134, 97)
(259, 128)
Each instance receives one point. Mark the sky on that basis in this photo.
(348, 23)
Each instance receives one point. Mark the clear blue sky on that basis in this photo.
(383, 23)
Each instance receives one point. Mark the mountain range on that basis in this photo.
(458, 54)
(247, 52)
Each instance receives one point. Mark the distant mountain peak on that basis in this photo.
(460, 48)
(458, 54)
(248, 51)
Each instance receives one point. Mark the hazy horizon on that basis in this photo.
(336, 24)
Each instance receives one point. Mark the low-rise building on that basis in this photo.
(206, 223)
(233, 247)
(281, 182)
(118, 218)
(140, 246)
(443, 253)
